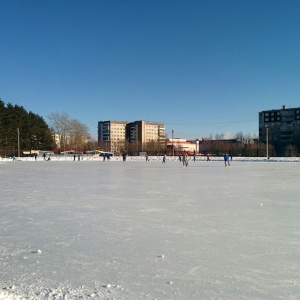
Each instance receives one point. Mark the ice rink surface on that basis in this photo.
(148, 230)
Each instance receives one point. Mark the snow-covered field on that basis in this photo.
(147, 230)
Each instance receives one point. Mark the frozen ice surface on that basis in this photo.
(147, 230)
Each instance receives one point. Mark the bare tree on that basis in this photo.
(92, 144)
(79, 134)
(60, 124)
(239, 135)
(291, 151)
(219, 136)
(71, 132)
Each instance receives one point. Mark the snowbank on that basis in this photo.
(151, 158)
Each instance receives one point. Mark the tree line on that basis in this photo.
(20, 129)
(26, 131)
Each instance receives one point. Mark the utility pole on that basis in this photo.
(172, 142)
(18, 142)
(267, 133)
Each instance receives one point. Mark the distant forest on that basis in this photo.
(26, 128)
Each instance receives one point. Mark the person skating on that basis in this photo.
(185, 159)
(226, 160)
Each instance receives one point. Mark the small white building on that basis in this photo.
(178, 146)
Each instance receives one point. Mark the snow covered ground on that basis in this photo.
(147, 230)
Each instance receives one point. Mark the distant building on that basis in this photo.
(144, 132)
(281, 127)
(216, 147)
(56, 138)
(112, 135)
(62, 141)
(116, 136)
(178, 146)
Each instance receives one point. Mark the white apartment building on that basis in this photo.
(145, 132)
(112, 135)
(115, 134)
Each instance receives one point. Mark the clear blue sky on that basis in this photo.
(201, 67)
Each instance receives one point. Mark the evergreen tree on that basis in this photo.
(2, 111)
(31, 129)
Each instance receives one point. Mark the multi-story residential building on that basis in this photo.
(112, 135)
(117, 134)
(144, 132)
(280, 128)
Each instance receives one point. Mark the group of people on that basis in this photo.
(106, 157)
(163, 160)
(184, 158)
